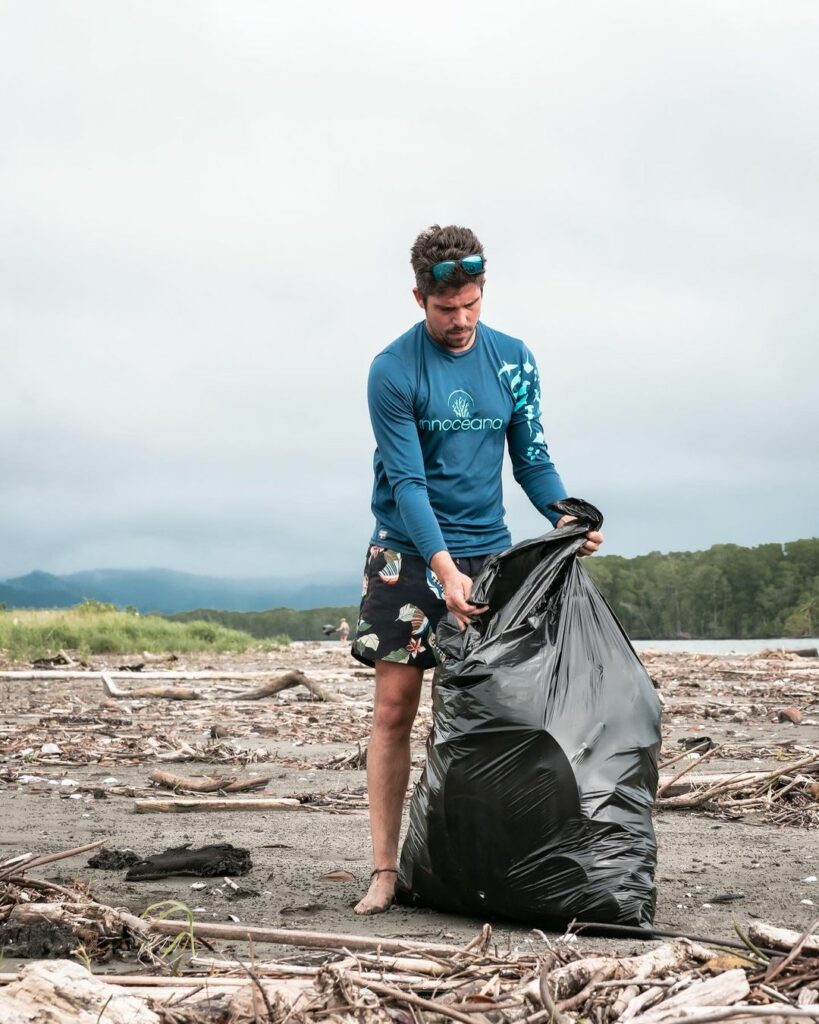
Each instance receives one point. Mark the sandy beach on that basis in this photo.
(75, 761)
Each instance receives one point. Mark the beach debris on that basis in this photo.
(113, 860)
(793, 715)
(70, 994)
(339, 875)
(150, 692)
(204, 862)
(207, 783)
(783, 795)
(375, 978)
(183, 804)
(355, 759)
(285, 682)
(700, 743)
(58, 660)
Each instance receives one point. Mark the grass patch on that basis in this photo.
(97, 628)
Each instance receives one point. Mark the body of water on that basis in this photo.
(702, 646)
(725, 646)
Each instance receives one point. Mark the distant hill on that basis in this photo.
(163, 590)
(727, 591)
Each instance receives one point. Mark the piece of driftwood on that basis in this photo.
(572, 978)
(182, 804)
(285, 682)
(781, 938)
(444, 1009)
(148, 692)
(207, 783)
(773, 1013)
(722, 990)
(699, 789)
(666, 786)
(204, 862)
(63, 992)
(294, 937)
(694, 782)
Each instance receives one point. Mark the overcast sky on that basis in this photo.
(207, 210)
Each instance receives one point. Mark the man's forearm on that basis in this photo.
(442, 565)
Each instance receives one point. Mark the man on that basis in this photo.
(443, 399)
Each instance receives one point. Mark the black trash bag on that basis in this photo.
(536, 798)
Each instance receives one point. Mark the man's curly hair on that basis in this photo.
(437, 244)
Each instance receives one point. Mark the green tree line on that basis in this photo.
(727, 591)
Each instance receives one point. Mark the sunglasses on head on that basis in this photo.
(446, 268)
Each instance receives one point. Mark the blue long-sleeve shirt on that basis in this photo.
(440, 419)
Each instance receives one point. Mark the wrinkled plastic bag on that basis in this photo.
(536, 798)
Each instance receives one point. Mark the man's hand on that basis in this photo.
(457, 587)
(593, 538)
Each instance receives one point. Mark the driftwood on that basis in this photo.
(721, 990)
(695, 790)
(285, 682)
(781, 938)
(417, 969)
(293, 937)
(669, 783)
(181, 804)
(145, 692)
(773, 1013)
(63, 992)
(207, 783)
(571, 979)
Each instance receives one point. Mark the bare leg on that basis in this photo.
(397, 693)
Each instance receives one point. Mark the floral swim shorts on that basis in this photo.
(401, 604)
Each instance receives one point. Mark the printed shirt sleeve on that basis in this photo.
(532, 466)
(396, 434)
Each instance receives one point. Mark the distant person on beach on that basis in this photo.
(444, 398)
(343, 630)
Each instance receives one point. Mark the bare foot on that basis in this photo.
(381, 892)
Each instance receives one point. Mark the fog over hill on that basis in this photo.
(163, 590)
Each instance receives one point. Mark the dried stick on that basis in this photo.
(777, 968)
(694, 1016)
(782, 939)
(182, 804)
(292, 937)
(37, 883)
(285, 682)
(555, 1016)
(680, 756)
(208, 783)
(688, 767)
(47, 858)
(424, 1004)
(145, 692)
(202, 784)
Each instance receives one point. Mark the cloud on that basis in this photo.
(208, 212)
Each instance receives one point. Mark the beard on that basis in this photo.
(458, 339)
